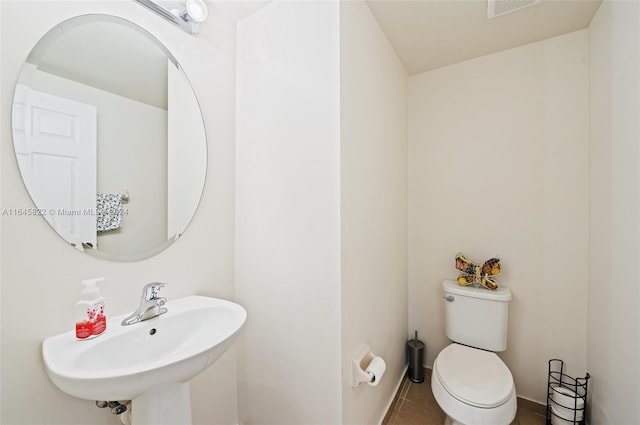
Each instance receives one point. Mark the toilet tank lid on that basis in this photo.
(453, 287)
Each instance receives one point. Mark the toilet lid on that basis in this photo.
(473, 376)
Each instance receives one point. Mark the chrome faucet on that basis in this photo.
(151, 305)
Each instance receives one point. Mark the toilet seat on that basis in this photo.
(474, 377)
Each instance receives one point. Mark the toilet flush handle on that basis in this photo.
(449, 298)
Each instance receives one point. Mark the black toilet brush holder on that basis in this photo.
(415, 356)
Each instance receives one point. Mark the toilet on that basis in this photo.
(470, 382)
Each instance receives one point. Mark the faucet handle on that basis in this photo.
(152, 290)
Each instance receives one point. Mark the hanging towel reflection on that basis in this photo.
(108, 211)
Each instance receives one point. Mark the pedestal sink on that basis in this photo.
(149, 363)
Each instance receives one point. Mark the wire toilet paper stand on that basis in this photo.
(566, 396)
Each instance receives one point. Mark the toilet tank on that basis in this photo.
(476, 316)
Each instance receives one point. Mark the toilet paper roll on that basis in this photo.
(376, 370)
(567, 403)
(557, 418)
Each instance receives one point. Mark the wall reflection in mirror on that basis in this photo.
(109, 138)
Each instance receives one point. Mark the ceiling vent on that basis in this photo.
(502, 7)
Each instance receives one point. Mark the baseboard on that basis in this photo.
(427, 372)
(396, 395)
(532, 406)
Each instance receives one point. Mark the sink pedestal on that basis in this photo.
(168, 405)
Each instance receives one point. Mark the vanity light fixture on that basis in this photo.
(187, 17)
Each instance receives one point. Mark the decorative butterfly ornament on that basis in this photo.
(478, 274)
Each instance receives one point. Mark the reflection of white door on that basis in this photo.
(55, 141)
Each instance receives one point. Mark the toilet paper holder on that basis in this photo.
(367, 367)
(566, 395)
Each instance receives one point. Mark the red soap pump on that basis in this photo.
(91, 319)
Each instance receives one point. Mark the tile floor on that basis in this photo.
(414, 404)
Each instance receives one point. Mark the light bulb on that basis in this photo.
(197, 10)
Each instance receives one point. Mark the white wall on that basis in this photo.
(288, 213)
(498, 166)
(614, 222)
(373, 156)
(40, 275)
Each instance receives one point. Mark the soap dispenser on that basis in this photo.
(91, 319)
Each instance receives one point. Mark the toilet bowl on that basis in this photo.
(473, 387)
(470, 382)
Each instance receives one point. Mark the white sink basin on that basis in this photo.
(129, 361)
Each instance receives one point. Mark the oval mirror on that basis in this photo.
(109, 138)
